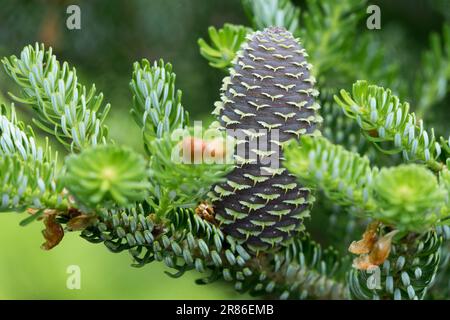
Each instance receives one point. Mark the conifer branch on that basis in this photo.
(431, 85)
(348, 179)
(384, 119)
(186, 242)
(27, 171)
(64, 107)
(182, 168)
(406, 275)
(225, 43)
(268, 13)
(157, 107)
(344, 176)
(407, 197)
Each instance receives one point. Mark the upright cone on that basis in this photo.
(269, 96)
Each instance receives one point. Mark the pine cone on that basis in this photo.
(269, 91)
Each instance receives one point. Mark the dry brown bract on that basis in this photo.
(373, 251)
(368, 240)
(53, 232)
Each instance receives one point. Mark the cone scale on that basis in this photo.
(268, 95)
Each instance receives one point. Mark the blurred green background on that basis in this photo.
(114, 34)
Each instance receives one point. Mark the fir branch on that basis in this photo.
(63, 106)
(344, 176)
(327, 30)
(26, 184)
(186, 242)
(158, 111)
(440, 287)
(339, 129)
(431, 85)
(407, 197)
(383, 118)
(225, 43)
(373, 60)
(27, 171)
(16, 139)
(327, 33)
(272, 13)
(407, 274)
(157, 105)
(183, 167)
(342, 130)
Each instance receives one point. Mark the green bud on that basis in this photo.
(408, 197)
(106, 175)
